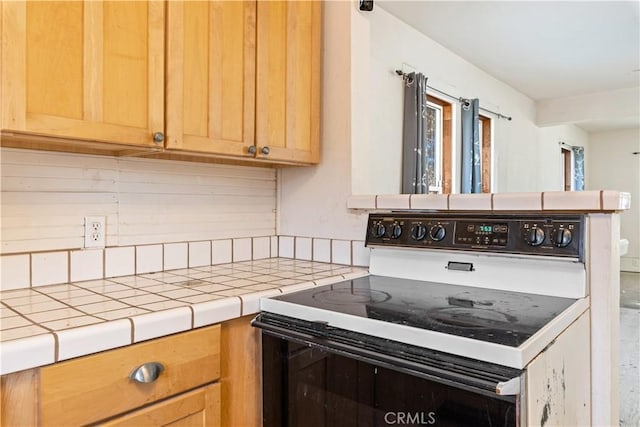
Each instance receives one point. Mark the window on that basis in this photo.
(566, 168)
(434, 147)
(440, 136)
(572, 167)
(485, 141)
(435, 162)
(439, 115)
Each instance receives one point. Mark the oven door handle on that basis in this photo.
(508, 388)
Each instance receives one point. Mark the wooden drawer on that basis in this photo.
(96, 387)
(199, 407)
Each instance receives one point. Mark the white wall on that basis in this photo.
(612, 166)
(45, 197)
(376, 160)
(361, 122)
(313, 199)
(621, 105)
(549, 154)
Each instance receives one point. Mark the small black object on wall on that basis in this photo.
(366, 5)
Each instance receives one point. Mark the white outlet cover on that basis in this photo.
(95, 231)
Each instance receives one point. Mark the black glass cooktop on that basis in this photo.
(501, 317)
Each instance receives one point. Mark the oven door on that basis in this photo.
(319, 376)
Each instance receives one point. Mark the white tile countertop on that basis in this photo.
(46, 324)
(583, 201)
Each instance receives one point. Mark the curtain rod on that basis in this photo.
(459, 99)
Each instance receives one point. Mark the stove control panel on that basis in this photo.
(553, 235)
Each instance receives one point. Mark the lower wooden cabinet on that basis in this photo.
(241, 373)
(200, 407)
(99, 387)
(211, 377)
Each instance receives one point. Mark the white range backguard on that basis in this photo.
(559, 277)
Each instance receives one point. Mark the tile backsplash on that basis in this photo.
(18, 271)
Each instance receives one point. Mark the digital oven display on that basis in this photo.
(481, 234)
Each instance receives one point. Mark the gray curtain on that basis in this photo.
(578, 168)
(471, 179)
(418, 153)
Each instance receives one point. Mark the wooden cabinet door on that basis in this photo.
(288, 80)
(241, 373)
(211, 76)
(92, 70)
(197, 408)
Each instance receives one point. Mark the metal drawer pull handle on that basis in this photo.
(147, 373)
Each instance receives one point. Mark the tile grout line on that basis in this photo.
(351, 252)
(232, 254)
(241, 305)
(132, 330)
(312, 257)
(295, 241)
(30, 270)
(193, 315)
(330, 250)
(104, 262)
(135, 260)
(56, 348)
(601, 199)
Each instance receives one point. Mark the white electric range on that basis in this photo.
(462, 304)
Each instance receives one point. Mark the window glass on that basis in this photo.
(433, 148)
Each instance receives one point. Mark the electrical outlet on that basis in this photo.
(95, 231)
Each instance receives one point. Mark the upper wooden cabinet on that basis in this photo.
(211, 76)
(90, 70)
(242, 77)
(288, 80)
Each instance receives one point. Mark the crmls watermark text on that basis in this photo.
(410, 418)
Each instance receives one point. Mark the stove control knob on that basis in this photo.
(396, 230)
(561, 237)
(535, 236)
(418, 232)
(378, 229)
(437, 232)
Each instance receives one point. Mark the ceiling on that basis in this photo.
(544, 49)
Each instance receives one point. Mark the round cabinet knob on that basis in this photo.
(437, 232)
(418, 232)
(378, 229)
(158, 137)
(265, 150)
(396, 230)
(535, 236)
(561, 237)
(251, 149)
